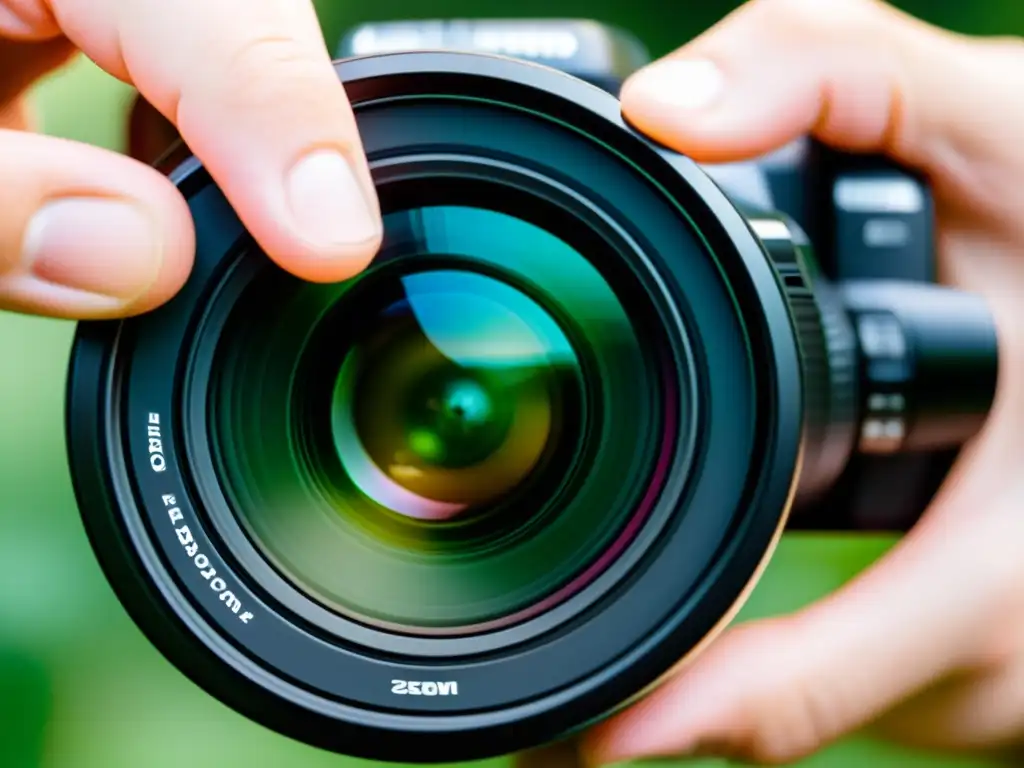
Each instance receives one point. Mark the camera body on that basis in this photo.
(499, 484)
(867, 218)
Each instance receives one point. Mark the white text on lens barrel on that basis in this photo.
(424, 688)
(156, 444)
(202, 562)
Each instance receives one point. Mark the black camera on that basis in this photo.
(495, 487)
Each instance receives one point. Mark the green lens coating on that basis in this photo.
(453, 397)
(453, 440)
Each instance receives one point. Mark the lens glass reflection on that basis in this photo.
(459, 438)
(457, 393)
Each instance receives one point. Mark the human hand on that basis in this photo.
(86, 233)
(928, 645)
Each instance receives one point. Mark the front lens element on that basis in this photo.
(454, 397)
(461, 437)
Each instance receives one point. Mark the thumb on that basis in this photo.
(859, 75)
(777, 690)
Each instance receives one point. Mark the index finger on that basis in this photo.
(251, 88)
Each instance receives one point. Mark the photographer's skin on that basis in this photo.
(928, 645)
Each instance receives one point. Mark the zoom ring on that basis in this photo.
(828, 354)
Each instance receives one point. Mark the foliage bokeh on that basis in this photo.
(79, 686)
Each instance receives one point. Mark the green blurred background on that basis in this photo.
(79, 686)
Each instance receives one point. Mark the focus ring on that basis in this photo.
(828, 354)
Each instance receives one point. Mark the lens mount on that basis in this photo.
(715, 351)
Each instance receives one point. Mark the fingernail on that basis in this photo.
(328, 202)
(688, 84)
(109, 249)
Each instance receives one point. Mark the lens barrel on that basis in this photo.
(498, 485)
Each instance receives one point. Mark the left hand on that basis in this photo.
(249, 84)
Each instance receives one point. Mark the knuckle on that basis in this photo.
(818, 17)
(784, 715)
(269, 72)
(253, 55)
(1010, 48)
(791, 722)
(773, 748)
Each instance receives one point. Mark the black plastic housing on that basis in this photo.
(275, 657)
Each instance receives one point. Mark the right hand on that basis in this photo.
(86, 233)
(928, 644)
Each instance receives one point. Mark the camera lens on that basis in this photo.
(493, 487)
(446, 443)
